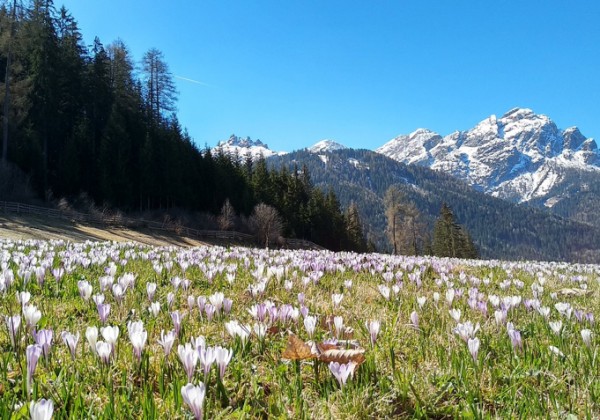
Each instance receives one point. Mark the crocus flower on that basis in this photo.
(455, 314)
(414, 319)
(13, 323)
(32, 315)
(43, 338)
(515, 338)
(138, 337)
(310, 324)
(556, 351)
(555, 326)
(500, 316)
(167, 340)
(450, 293)
(154, 308)
(98, 299)
(207, 358)
(201, 301)
(110, 334)
(104, 351)
(188, 356)
(216, 299)
(85, 289)
(223, 357)
(103, 311)
(91, 334)
(374, 327)
(473, 345)
(23, 298)
(260, 329)
(385, 291)
(235, 329)
(150, 290)
(70, 341)
(227, 304)
(41, 410)
(210, 311)
(338, 323)
(118, 292)
(33, 353)
(421, 301)
(176, 318)
(586, 336)
(170, 299)
(191, 301)
(466, 330)
(341, 371)
(193, 396)
(336, 298)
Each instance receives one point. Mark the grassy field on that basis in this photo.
(117, 330)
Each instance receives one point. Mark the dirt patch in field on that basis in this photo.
(33, 227)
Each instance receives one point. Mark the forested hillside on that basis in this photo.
(500, 229)
(82, 120)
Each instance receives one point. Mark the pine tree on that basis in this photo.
(449, 238)
(354, 229)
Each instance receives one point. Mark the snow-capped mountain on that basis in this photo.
(326, 146)
(521, 156)
(242, 146)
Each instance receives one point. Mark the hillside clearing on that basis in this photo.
(23, 227)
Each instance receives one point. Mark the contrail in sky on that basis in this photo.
(191, 80)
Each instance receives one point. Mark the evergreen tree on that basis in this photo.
(449, 238)
(159, 87)
(354, 230)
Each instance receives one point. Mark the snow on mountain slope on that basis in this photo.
(242, 146)
(325, 146)
(520, 156)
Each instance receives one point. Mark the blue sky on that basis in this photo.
(361, 72)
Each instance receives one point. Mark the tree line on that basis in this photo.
(408, 233)
(81, 119)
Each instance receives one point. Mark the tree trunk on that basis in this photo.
(7, 87)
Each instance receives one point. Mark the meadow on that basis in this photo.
(118, 330)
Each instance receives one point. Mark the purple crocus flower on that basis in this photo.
(167, 340)
(188, 356)
(222, 357)
(194, 398)
(33, 353)
(70, 341)
(176, 318)
(103, 311)
(41, 410)
(473, 345)
(342, 371)
(43, 338)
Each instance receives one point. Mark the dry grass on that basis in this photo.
(23, 227)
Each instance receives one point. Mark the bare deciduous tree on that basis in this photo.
(227, 217)
(406, 230)
(266, 222)
(393, 212)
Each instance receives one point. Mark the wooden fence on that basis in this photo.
(121, 221)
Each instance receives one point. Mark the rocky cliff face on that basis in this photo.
(521, 156)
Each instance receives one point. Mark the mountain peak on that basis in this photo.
(520, 156)
(243, 146)
(242, 142)
(519, 113)
(325, 145)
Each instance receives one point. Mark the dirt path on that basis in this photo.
(14, 226)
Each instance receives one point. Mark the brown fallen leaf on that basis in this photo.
(341, 355)
(297, 349)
